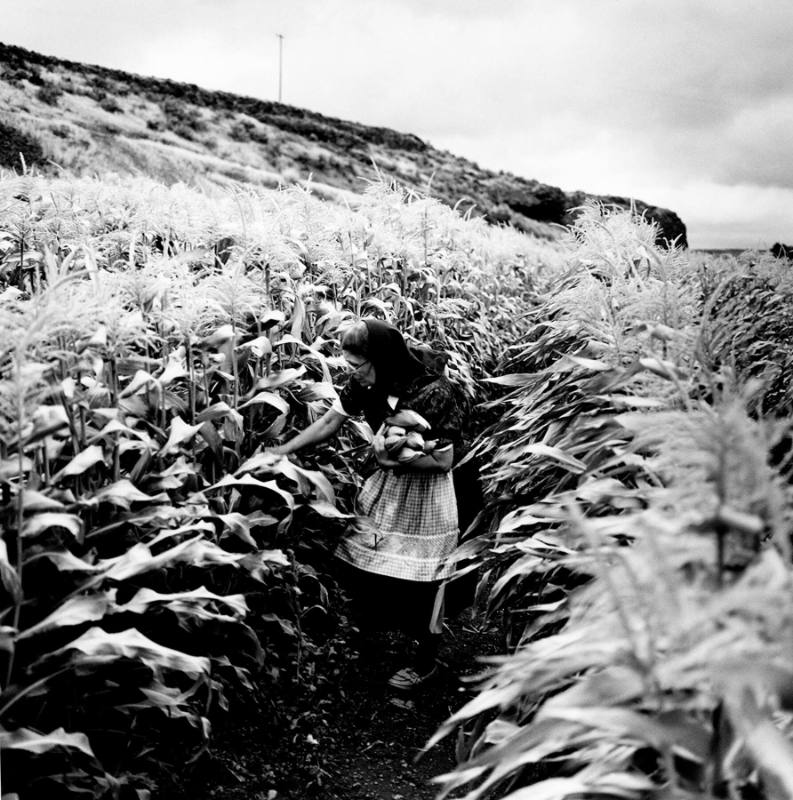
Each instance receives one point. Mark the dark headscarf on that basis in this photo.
(396, 368)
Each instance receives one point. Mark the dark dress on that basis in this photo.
(397, 553)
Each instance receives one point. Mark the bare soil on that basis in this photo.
(338, 732)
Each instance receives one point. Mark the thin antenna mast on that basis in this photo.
(280, 63)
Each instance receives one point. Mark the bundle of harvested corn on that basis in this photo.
(404, 436)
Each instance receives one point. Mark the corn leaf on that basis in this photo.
(33, 501)
(249, 482)
(218, 411)
(555, 453)
(329, 510)
(139, 558)
(260, 565)
(97, 644)
(270, 399)
(122, 493)
(260, 346)
(281, 378)
(550, 789)
(180, 433)
(140, 380)
(239, 525)
(34, 742)
(10, 468)
(518, 379)
(306, 480)
(64, 561)
(181, 601)
(8, 575)
(83, 461)
(74, 611)
(37, 524)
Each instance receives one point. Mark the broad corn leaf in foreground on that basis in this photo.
(555, 453)
(281, 378)
(34, 742)
(8, 575)
(37, 524)
(180, 434)
(200, 597)
(268, 398)
(83, 461)
(249, 482)
(75, 611)
(139, 558)
(123, 493)
(97, 644)
(33, 501)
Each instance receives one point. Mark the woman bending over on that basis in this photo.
(396, 557)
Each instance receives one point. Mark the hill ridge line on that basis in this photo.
(81, 109)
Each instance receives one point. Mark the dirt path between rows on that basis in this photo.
(346, 736)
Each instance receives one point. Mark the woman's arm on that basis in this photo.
(439, 460)
(319, 431)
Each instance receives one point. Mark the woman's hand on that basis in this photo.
(319, 431)
(439, 459)
(382, 455)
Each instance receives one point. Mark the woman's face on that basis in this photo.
(361, 368)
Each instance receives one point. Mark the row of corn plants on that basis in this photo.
(638, 542)
(154, 559)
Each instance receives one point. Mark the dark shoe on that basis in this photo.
(407, 678)
(402, 703)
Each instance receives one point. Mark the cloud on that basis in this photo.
(739, 216)
(757, 145)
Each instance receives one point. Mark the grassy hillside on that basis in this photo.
(91, 120)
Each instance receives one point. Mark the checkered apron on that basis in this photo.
(407, 526)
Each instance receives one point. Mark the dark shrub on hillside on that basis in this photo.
(670, 227)
(500, 214)
(96, 93)
(260, 137)
(12, 77)
(110, 104)
(182, 119)
(101, 84)
(779, 250)
(548, 204)
(14, 142)
(182, 130)
(530, 199)
(246, 131)
(241, 131)
(50, 94)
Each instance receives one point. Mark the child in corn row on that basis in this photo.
(396, 558)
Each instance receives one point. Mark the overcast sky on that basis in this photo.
(686, 104)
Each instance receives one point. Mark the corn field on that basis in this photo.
(632, 429)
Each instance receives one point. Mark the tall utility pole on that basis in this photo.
(280, 63)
